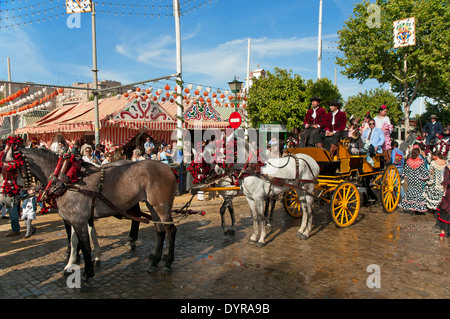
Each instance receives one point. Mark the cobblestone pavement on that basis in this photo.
(333, 263)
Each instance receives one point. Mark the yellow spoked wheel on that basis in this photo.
(390, 189)
(291, 204)
(345, 204)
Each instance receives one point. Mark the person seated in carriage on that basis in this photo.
(334, 127)
(313, 123)
(374, 139)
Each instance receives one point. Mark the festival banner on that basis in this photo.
(404, 32)
(78, 6)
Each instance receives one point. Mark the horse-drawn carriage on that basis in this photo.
(346, 181)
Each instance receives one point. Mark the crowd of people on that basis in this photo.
(420, 160)
(166, 153)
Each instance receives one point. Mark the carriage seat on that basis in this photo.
(317, 153)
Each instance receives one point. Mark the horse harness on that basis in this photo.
(66, 173)
(278, 181)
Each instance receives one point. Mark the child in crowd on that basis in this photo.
(398, 159)
(29, 212)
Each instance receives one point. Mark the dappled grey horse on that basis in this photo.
(295, 169)
(125, 186)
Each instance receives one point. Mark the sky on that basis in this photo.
(136, 41)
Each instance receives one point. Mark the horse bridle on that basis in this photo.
(10, 171)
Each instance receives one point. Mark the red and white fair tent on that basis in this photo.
(121, 118)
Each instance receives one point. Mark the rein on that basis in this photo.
(66, 173)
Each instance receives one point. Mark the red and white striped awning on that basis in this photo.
(121, 119)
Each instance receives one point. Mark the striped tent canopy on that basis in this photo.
(121, 118)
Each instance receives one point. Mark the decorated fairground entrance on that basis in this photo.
(124, 117)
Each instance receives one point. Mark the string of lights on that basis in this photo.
(43, 11)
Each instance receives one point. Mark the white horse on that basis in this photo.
(258, 187)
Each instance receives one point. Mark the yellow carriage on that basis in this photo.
(344, 180)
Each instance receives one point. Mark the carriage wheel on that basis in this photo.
(390, 189)
(345, 204)
(291, 204)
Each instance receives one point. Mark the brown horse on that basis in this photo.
(124, 185)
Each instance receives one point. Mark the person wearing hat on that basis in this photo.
(313, 123)
(335, 123)
(432, 130)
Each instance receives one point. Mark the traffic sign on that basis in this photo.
(235, 120)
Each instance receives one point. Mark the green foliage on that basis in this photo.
(368, 53)
(283, 98)
(359, 105)
(91, 97)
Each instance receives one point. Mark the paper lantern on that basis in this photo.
(167, 87)
(186, 90)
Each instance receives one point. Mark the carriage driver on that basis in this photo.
(335, 123)
(313, 123)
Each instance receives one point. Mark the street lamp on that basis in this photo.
(235, 87)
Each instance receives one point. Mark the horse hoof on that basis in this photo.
(258, 244)
(86, 286)
(229, 232)
(251, 242)
(97, 262)
(131, 245)
(152, 269)
(302, 236)
(66, 273)
(166, 271)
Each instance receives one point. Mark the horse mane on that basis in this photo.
(42, 151)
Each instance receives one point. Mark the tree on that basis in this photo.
(414, 71)
(282, 97)
(370, 101)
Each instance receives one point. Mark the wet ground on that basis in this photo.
(381, 256)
